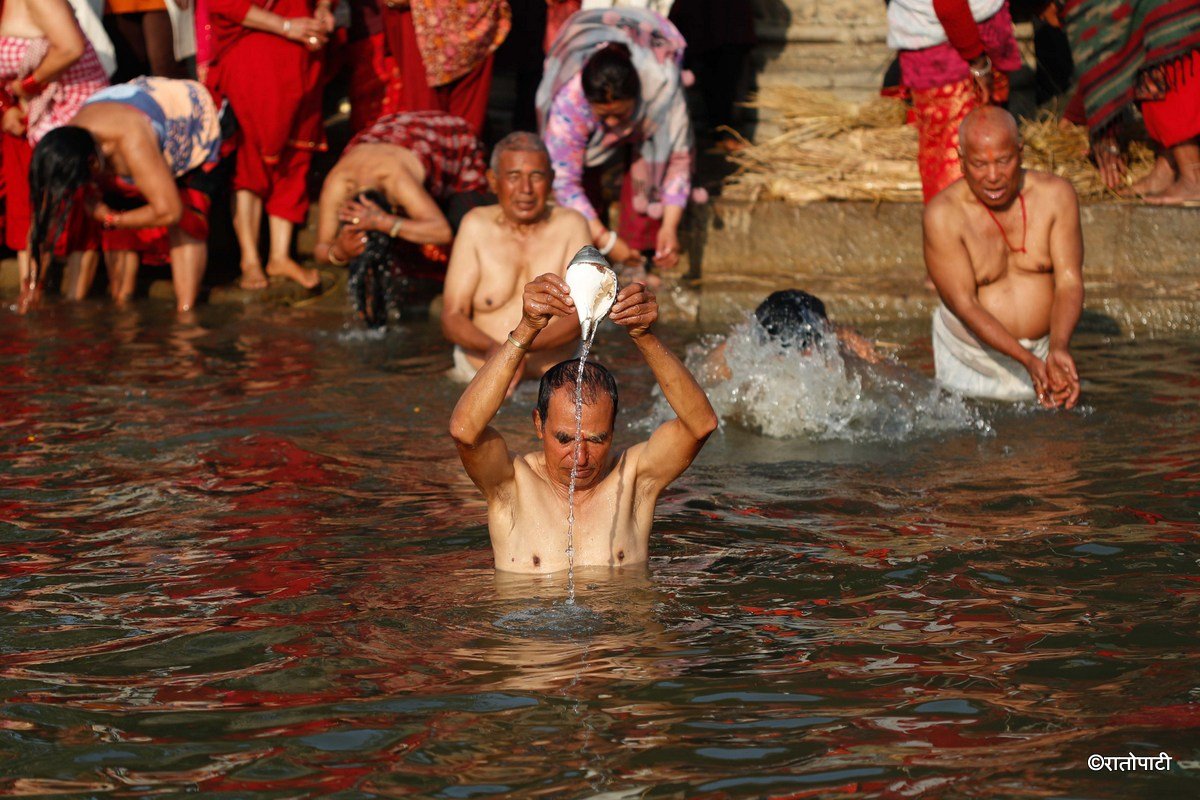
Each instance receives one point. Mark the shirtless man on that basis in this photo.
(1003, 247)
(501, 248)
(615, 492)
(418, 160)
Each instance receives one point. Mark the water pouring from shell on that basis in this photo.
(593, 287)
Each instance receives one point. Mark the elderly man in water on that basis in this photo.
(615, 491)
(499, 249)
(1003, 247)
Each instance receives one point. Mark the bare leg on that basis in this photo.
(188, 259)
(1186, 188)
(280, 260)
(247, 221)
(80, 272)
(31, 293)
(160, 45)
(1161, 176)
(24, 266)
(122, 274)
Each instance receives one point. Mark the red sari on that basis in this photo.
(274, 87)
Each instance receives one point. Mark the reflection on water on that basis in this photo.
(240, 558)
(820, 393)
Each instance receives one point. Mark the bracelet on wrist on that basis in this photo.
(109, 222)
(396, 226)
(984, 68)
(513, 341)
(333, 259)
(609, 243)
(287, 28)
(32, 86)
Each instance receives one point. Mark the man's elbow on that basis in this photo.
(463, 434)
(706, 425)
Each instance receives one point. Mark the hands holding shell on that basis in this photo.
(548, 296)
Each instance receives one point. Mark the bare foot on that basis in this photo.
(306, 277)
(253, 278)
(1181, 192)
(29, 299)
(1158, 180)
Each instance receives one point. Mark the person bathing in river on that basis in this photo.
(149, 146)
(615, 492)
(1004, 248)
(427, 167)
(797, 320)
(501, 248)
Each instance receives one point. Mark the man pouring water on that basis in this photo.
(615, 492)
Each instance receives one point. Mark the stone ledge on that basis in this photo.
(1142, 267)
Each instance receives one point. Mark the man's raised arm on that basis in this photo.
(481, 448)
(949, 266)
(675, 443)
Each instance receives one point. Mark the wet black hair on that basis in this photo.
(609, 75)
(60, 168)
(597, 382)
(794, 317)
(373, 276)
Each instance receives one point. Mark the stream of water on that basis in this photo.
(585, 348)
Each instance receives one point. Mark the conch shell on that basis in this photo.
(593, 287)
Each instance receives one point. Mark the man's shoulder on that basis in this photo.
(1050, 185)
(562, 215)
(946, 205)
(479, 216)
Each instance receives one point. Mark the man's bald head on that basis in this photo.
(988, 124)
(989, 149)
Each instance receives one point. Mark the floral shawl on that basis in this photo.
(661, 128)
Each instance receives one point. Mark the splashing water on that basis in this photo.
(819, 393)
(583, 354)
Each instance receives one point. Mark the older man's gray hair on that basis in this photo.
(518, 142)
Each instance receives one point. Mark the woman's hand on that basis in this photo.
(1110, 160)
(324, 15)
(346, 245)
(307, 31)
(666, 247)
(14, 121)
(365, 215)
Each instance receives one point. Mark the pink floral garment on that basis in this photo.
(660, 130)
(455, 36)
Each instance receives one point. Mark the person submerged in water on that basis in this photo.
(615, 492)
(796, 320)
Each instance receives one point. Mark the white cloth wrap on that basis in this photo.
(912, 25)
(463, 370)
(974, 369)
(87, 14)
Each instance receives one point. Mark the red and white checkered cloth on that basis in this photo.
(64, 96)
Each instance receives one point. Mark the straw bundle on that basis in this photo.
(830, 149)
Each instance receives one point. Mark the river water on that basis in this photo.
(240, 559)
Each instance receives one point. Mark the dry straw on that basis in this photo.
(831, 149)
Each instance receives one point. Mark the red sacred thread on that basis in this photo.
(1024, 226)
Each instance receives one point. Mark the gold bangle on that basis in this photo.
(395, 231)
(337, 262)
(516, 344)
